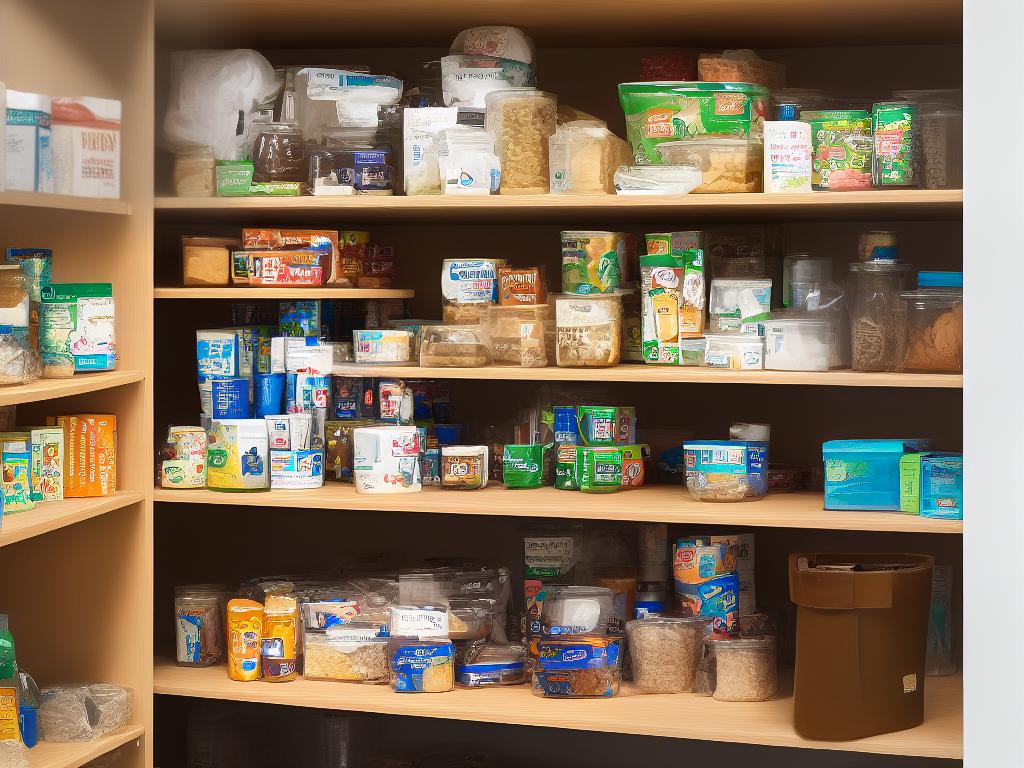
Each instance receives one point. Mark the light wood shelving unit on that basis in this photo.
(652, 504)
(925, 36)
(680, 716)
(78, 586)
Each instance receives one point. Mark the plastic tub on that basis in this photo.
(579, 667)
(737, 304)
(726, 470)
(589, 330)
(485, 664)
(691, 351)
(577, 611)
(377, 346)
(519, 334)
(727, 163)
(798, 344)
(522, 121)
(662, 112)
(666, 651)
(738, 352)
(348, 652)
(454, 346)
(746, 669)
(942, 143)
(933, 338)
(657, 179)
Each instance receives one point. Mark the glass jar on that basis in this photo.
(877, 314)
(933, 335)
(522, 121)
(666, 651)
(199, 626)
(746, 669)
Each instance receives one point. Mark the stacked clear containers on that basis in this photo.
(877, 314)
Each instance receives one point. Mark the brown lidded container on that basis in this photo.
(861, 637)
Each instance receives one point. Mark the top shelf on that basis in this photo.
(559, 23)
(874, 204)
(65, 202)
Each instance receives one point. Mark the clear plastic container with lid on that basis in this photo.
(522, 334)
(798, 343)
(666, 651)
(455, 346)
(522, 121)
(14, 299)
(877, 314)
(199, 624)
(746, 669)
(933, 339)
(727, 163)
(577, 611)
(735, 351)
(589, 330)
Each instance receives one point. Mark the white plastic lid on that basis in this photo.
(811, 269)
(503, 42)
(26, 100)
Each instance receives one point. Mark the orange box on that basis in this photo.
(90, 454)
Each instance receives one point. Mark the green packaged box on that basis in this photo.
(842, 144)
(233, 177)
(76, 328)
(896, 132)
(46, 471)
(910, 483)
(599, 469)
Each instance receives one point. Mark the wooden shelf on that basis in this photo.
(654, 503)
(52, 515)
(873, 204)
(243, 293)
(729, 23)
(682, 716)
(654, 374)
(50, 389)
(48, 754)
(65, 202)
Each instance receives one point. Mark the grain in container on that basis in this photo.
(522, 121)
(578, 667)
(468, 286)
(421, 666)
(746, 669)
(657, 179)
(842, 144)
(352, 652)
(933, 339)
(877, 314)
(798, 343)
(14, 297)
(662, 112)
(727, 163)
(726, 470)
(589, 330)
(665, 651)
(734, 351)
(455, 346)
(382, 346)
(942, 135)
(522, 335)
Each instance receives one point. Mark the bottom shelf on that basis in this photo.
(48, 754)
(678, 716)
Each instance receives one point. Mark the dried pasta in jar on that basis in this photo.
(522, 121)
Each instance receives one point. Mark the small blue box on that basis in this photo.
(865, 474)
(942, 485)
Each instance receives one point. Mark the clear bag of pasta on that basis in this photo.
(522, 121)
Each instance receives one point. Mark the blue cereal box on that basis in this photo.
(942, 486)
(865, 474)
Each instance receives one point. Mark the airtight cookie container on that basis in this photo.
(454, 346)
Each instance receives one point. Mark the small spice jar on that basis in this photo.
(666, 651)
(746, 669)
(522, 121)
(877, 314)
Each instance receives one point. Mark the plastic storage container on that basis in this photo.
(727, 163)
(382, 346)
(577, 611)
(347, 652)
(798, 344)
(735, 351)
(861, 638)
(522, 121)
(199, 626)
(934, 331)
(578, 667)
(484, 664)
(522, 335)
(665, 652)
(737, 304)
(470, 618)
(589, 330)
(746, 669)
(455, 346)
(877, 314)
(657, 179)
(422, 666)
(865, 474)
(742, 66)
(726, 470)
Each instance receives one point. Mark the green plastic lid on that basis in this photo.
(684, 87)
(836, 114)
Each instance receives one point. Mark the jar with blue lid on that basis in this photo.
(726, 470)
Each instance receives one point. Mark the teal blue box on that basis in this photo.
(865, 474)
(942, 486)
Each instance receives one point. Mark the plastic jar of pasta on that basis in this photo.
(522, 121)
(666, 651)
(746, 669)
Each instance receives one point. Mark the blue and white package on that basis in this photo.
(216, 357)
(230, 397)
(300, 318)
(268, 395)
(560, 659)
(942, 486)
(423, 666)
(726, 470)
(307, 391)
(296, 469)
(865, 474)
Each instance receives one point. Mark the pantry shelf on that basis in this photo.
(59, 514)
(654, 374)
(79, 384)
(65, 202)
(676, 716)
(48, 754)
(641, 22)
(873, 204)
(283, 293)
(653, 503)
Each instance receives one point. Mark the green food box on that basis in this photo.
(910, 483)
(672, 111)
(895, 129)
(233, 177)
(842, 143)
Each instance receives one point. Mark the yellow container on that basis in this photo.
(277, 649)
(245, 631)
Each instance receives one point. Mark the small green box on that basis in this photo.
(910, 483)
(233, 177)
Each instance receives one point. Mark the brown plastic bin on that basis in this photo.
(861, 637)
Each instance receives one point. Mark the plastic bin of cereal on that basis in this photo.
(522, 121)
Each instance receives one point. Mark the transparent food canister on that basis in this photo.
(933, 339)
(877, 314)
(522, 121)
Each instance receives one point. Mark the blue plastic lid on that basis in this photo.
(940, 279)
(885, 253)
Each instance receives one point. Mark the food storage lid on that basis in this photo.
(940, 279)
(733, 338)
(684, 86)
(835, 114)
(811, 269)
(753, 643)
(879, 267)
(932, 298)
(674, 621)
(496, 97)
(455, 334)
(612, 297)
